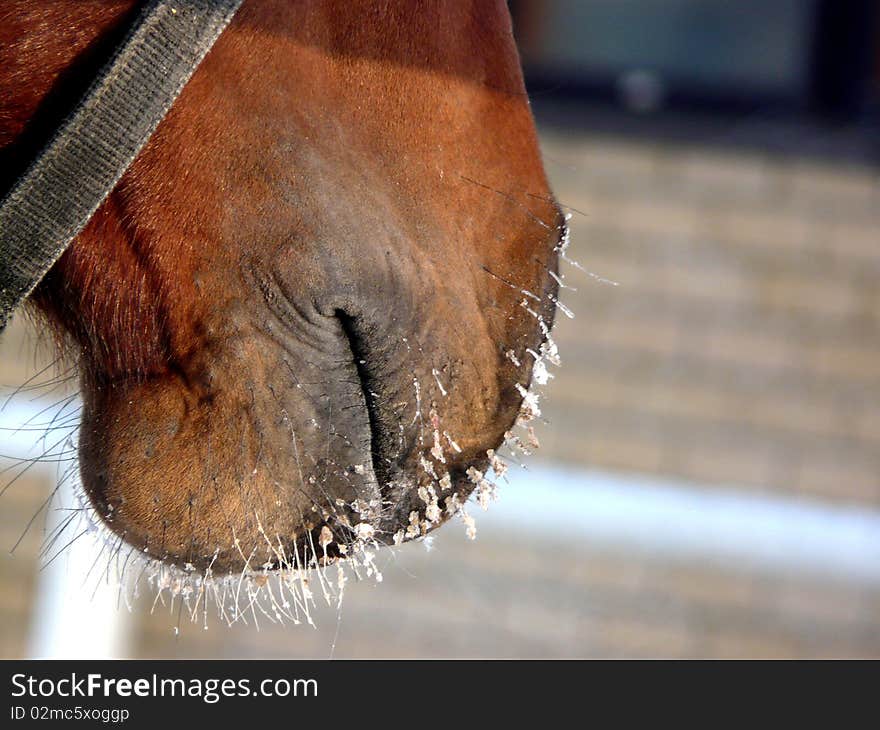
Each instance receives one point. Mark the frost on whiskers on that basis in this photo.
(292, 593)
(287, 590)
(520, 440)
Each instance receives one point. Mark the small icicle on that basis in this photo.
(455, 447)
(498, 466)
(539, 372)
(529, 409)
(427, 466)
(470, 525)
(439, 384)
(437, 448)
(413, 529)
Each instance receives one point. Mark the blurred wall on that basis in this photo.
(743, 343)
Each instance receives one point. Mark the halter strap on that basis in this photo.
(50, 204)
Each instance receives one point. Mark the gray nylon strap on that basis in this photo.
(64, 186)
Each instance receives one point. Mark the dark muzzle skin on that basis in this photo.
(353, 396)
(310, 310)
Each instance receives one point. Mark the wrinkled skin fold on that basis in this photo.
(311, 300)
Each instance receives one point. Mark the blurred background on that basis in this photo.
(709, 479)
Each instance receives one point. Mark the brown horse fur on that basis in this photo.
(313, 294)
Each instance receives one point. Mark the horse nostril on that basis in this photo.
(370, 389)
